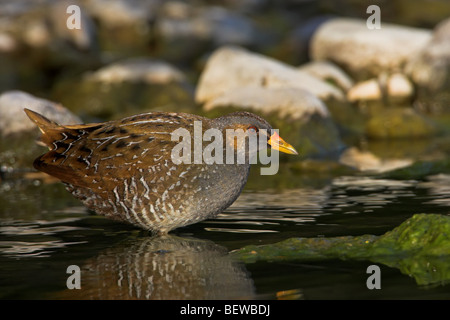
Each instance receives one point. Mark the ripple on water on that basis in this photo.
(438, 188)
(267, 211)
(22, 239)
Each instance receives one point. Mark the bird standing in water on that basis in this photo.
(123, 169)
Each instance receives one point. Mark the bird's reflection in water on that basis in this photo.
(165, 267)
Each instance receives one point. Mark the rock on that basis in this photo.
(403, 12)
(418, 247)
(214, 23)
(427, 148)
(41, 46)
(125, 27)
(7, 43)
(430, 71)
(138, 69)
(287, 97)
(44, 25)
(13, 119)
(127, 87)
(389, 89)
(84, 38)
(296, 104)
(365, 53)
(37, 34)
(328, 71)
(420, 170)
(365, 90)
(399, 88)
(303, 119)
(18, 133)
(185, 31)
(230, 68)
(180, 34)
(116, 13)
(367, 161)
(398, 123)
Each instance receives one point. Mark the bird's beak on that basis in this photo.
(279, 144)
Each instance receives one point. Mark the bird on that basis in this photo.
(125, 170)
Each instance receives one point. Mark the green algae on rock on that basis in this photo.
(419, 170)
(419, 247)
(306, 249)
(399, 123)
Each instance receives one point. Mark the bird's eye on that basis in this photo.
(252, 129)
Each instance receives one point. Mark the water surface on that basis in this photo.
(43, 230)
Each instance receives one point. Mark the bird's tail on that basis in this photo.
(49, 128)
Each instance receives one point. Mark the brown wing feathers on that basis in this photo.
(80, 154)
(59, 139)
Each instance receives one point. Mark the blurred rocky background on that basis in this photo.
(359, 98)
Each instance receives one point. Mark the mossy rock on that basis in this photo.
(92, 99)
(126, 39)
(419, 247)
(419, 170)
(399, 123)
(349, 119)
(403, 148)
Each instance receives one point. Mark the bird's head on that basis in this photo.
(252, 132)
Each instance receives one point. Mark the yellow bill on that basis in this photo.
(279, 144)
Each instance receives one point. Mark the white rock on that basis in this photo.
(359, 50)
(430, 71)
(176, 10)
(399, 87)
(7, 43)
(396, 86)
(138, 69)
(116, 13)
(14, 120)
(37, 34)
(329, 72)
(230, 68)
(290, 105)
(288, 102)
(364, 91)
